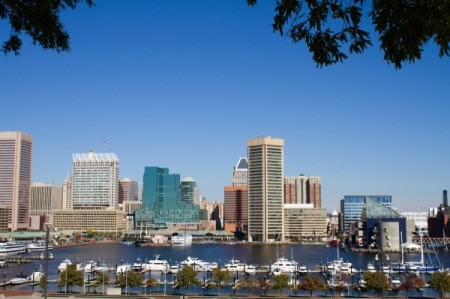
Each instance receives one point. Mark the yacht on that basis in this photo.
(35, 276)
(37, 246)
(174, 269)
(156, 265)
(137, 266)
(123, 268)
(101, 268)
(235, 265)
(7, 248)
(196, 264)
(285, 265)
(395, 281)
(64, 264)
(250, 269)
(371, 267)
(302, 270)
(181, 240)
(19, 279)
(90, 267)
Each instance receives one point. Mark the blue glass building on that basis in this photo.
(353, 205)
(161, 201)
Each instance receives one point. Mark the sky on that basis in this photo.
(185, 84)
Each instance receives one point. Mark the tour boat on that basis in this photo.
(156, 265)
(37, 246)
(285, 265)
(11, 248)
(181, 240)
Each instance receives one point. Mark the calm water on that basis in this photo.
(310, 255)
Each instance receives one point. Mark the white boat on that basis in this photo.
(156, 265)
(11, 248)
(64, 264)
(138, 265)
(101, 268)
(19, 279)
(276, 271)
(196, 264)
(181, 240)
(90, 267)
(35, 276)
(285, 265)
(302, 270)
(123, 268)
(235, 265)
(250, 269)
(395, 281)
(42, 256)
(371, 267)
(37, 246)
(159, 239)
(174, 269)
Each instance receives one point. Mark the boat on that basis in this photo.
(302, 270)
(7, 248)
(35, 276)
(90, 266)
(250, 269)
(137, 266)
(101, 268)
(196, 264)
(174, 269)
(42, 256)
(123, 268)
(159, 239)
(277, 271)
(37, 246)
(395, 282)
(371, 267)
(181, 240)
(235, 265)
(64, 264)
(19, 279)
(156, 265)
(285, 265)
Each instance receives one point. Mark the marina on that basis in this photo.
(163, 263)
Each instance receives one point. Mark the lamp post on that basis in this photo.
(47, 233)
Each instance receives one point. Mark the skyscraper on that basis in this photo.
(95, 181)
(235, 208)
(128, 190)
(188, 190)
(15, 177)
(295, 190)
(313, 189)
(240, 173)
(45, 199)
(265, 189)
(161, 189)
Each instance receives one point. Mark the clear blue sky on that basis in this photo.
(184, 84)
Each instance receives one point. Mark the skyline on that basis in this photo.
(174, 85)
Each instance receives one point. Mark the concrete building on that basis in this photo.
(304, 221)
(15, 177)
(188, 190)
(4, 218)
(129, 206)
(213, 211)
(95, 181)
(67, 203)
(295, 191)
(420, 221)
(100, 220)
(128, 190)
(240, 173)
(235, 208)
(265, 189)
(314, 191)
(45, 199)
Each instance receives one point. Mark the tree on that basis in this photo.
(412, 283)
(151, 283)
(311, 284)
(42, 282)
(331, 29)
(280, 282)
(129, 279)
(327, 26)
(71, 277)
(102, 279)
(248, 283)
(440, 281)
(187, 277)
(376, 281)
(220, 278)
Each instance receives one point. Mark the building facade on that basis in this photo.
(240, 173)
(295, 191)
(95, 181)
(352, 207)
(265, 189)
(15, 177)
(304, 221)
(67, 203)
(99, 220)
(314, 191)
(235, 208)
(188, 190)
(128, 190)
(45, 199)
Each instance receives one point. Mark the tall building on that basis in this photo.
(95, 181)
(313, 189)
(295, 191)
(240, 173)
(444, 198)
(265, 189)
(15, 177)
(352, 207)
(235, 208)
(188, 190)
(128, 190)
(67, 203)
(45, 199)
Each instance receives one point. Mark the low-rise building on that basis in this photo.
(304, 221)
(100, 220)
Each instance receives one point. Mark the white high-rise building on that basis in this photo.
(265, 189)
(45, 199)
(67, 203)
(95, 181)
(15, 177)
(240, 173)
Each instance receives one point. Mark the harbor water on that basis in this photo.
(260, 255)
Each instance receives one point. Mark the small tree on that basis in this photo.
(376, 281)
(188, 277)
(280, 282)
(102, 279)
(248, 283)
(440, 281)
(311, 284)
(151, 283)
(220, 278)
(71, 277)
(42, 282)
(129, 279)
